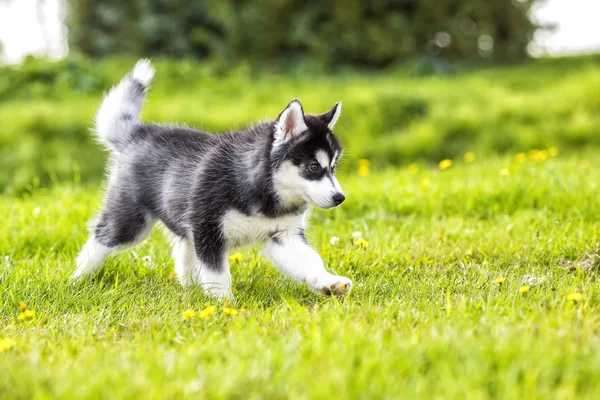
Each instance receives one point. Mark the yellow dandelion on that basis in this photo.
(425, 183)
(504, 172)
(6, 344)
(207, 312)
(145, 242)
(189, 314)
(237, 257)
(230, 311)
(172, 275)
(469, 157)
(499, 281)
(362, 243)
(445, 164)
(22, 306)
(553, 151)
(538, 155)
(27, 314)
(364, 166)
(521, 158)
(575, 297)
(413, 168)
(524, 289)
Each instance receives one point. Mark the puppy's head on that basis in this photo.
(306, 153)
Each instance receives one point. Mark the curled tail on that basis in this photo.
(119, 113)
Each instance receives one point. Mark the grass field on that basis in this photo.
(393, 118)
(466, 290)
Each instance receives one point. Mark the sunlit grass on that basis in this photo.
(438, 308)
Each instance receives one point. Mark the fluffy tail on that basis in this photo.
(119, 113)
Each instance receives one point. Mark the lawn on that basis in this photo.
(466, 290)
(393, 118)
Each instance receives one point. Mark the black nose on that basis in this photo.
(338, 198)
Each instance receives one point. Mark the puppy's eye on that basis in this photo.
(314, 167)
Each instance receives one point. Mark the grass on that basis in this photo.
(426, 318)
(394, 118)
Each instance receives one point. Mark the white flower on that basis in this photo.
(531, 280)
(147, 261)
(36, 211)
(356, 235)
(334, 240)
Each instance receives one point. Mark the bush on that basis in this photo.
(366, 33)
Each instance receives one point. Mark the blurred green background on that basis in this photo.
(419, 80)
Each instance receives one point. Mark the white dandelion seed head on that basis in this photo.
(334, 240)
(356, 235)
(147, 261)
(531, 280)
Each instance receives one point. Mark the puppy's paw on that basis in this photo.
(220, 295)
(330, 284)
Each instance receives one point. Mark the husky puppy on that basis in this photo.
(213, 192)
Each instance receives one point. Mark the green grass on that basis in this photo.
(395, 117)
(425, 320)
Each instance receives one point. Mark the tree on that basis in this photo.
(372, 33)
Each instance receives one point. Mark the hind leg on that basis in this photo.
(118, 228)
(91, 258)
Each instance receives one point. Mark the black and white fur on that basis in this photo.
(214, 192)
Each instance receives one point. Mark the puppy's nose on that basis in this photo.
(338, 198)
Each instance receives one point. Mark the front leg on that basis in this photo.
(216, 281)
(291, 253)
(211, 252)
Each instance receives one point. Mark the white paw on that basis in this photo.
(83, 269)
(330, 284)
(218, 293)
(187, 279)
(78, 274)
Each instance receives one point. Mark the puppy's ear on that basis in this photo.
(331, 116)
(290, 122)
